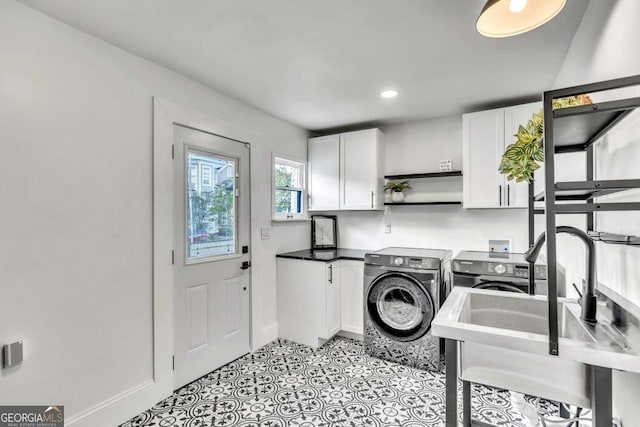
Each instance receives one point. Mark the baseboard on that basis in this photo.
(119, 408)
(265, 335)
(352, 335)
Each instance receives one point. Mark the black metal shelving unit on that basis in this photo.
(569, 130)
(429, 175)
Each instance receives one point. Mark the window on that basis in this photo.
(206, 176)
(211, 212)
(289, 194)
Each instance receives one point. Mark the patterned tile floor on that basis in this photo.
(288, 384)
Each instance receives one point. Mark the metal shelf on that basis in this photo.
(425, 175)
(615, 239)
(590, 208)
(584, 190)
(569, 130)
(423, 203)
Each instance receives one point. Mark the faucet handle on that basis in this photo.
(577, 290)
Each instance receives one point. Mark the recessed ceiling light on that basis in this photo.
(505, 18)
(389, 94)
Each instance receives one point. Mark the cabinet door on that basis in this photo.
(324, 173)
(332, 311)
(360, 170)
(483, 145)
(352, 283)
(517, 194)
(301, 299)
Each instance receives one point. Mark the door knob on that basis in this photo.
(245, 265)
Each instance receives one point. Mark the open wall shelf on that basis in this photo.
(424, 175)
(457, 202)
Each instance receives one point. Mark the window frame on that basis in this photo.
(285, 159)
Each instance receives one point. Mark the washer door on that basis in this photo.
(400, 307)
(499, 286)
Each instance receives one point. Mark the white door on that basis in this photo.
(324, 173)
(211, 238)
(358, 170)
(483, 145)
(517, 194)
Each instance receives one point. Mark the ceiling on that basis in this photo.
(321, 64)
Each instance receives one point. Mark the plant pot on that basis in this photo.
(397, 196)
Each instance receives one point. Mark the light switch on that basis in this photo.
(265, 233)
(12, 354)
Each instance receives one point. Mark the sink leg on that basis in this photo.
(466, 404)
(602, 402)
(451, 361)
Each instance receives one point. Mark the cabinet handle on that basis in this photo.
(372, 200)
(500, 194)
(508, 195)
(331, 274)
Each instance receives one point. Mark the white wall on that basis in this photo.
(76, 174)
(418, 146)
(606, 47)
(415, 147)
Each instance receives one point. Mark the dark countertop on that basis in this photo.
(327, 255)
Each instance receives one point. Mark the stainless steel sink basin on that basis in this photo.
(504, 343)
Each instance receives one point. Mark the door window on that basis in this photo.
(211, 207)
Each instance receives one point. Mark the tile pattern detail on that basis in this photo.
(338, 385)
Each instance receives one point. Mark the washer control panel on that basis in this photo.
(520, 271)
(403, 261)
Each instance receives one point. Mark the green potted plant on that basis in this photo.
(397, 190)
(522, 158)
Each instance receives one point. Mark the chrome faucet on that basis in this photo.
(589, 299)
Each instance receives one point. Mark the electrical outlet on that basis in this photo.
(499, 246)
(387, 228)
(265, 233)
(445, 165)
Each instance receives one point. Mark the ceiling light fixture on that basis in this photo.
(506, 18)
(389, 94)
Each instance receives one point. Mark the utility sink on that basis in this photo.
(528, 316)
(504, 343)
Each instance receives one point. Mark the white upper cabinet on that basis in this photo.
(361, 183)
(346, 171)
(485, 137)
(324, 173)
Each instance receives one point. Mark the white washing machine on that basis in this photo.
(403, 290)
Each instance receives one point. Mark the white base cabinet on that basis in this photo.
(485, 137)
(308, 300)
(316, 300)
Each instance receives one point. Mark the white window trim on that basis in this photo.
(295, 161)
